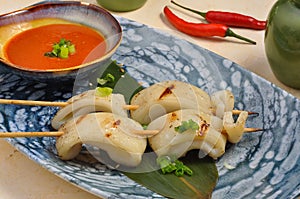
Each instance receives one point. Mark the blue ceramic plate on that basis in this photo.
(266, 164)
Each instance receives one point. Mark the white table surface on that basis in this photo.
(20, 177)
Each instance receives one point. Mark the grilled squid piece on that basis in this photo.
(168, 96)
(234, 130)
(168, 141)
(89, 102)
(222, 101)
(110, 132)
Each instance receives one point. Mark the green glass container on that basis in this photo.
(121, 5)
(282, 41)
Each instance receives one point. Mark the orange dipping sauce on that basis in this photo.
(27, 49)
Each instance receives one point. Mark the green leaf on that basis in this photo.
(122, 82)
(199, 185)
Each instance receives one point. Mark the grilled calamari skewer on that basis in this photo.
(164, 97)
(117, 135)
(169, 141)
(210, 137)
(89, 102)
(173, 95)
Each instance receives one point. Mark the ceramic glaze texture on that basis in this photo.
(266, 164)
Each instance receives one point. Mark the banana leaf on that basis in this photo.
(199, 185)
(205, 174)
(123, 83)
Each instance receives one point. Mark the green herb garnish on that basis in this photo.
(109, 78)
(62, 49)
(103, 91)
(186, 125)
(177, 167)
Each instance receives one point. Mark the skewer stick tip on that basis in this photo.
(250, 130)
(236, 112)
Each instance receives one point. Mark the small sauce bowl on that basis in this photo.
(59, 12)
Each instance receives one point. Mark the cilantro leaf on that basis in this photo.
(186, 125)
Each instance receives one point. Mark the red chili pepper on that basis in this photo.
(229, 18)
(201, 29)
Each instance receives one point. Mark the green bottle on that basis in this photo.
(121, 5)
(282, 41)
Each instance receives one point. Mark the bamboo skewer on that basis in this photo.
(60, 133)
(33, 103)
(48, 103)
(63, 104)
(31, 134)
(131, 107)
(237, 112)
(250, 130)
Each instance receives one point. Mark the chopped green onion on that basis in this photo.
(182, 169)
(177, 167)
(64, 52)
(62, 49)
(186, 125)
(71, 49)
(103, 91)
(49, 54)
(145, 126)
(108, 78)
(62, 42)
